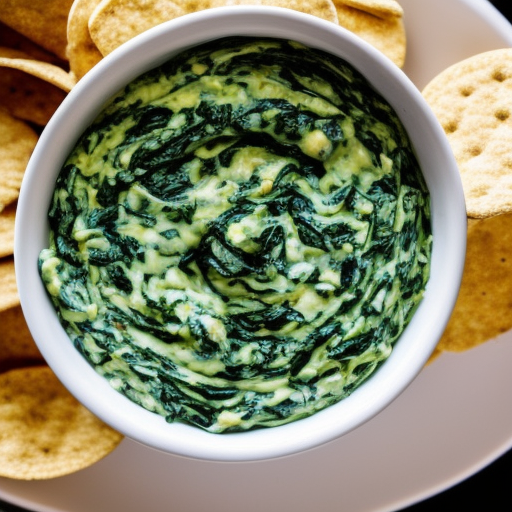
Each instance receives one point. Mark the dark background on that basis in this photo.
(491, 486)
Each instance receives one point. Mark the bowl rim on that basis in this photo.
(147, 51)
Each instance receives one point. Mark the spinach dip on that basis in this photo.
(241, 236)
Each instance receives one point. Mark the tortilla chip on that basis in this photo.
(380, 8)
(27, 97)
(9, 291)
(17, 141)
(42, 21)
(24, 95)
(81, 50)
(483, 309)
(50, 73)
(387, 35)
(44, 431)
(17, 347)
(324, 9)
(11, 39)
(113, 22)
(7, 217)
(473, 101)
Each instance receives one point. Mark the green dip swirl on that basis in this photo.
(241, 236)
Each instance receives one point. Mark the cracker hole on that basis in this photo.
(450, 127)
(466, 91)
(499, 76)
(475, 150)
(502, 115)
(480, 193)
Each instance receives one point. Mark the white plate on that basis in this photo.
(454, 419)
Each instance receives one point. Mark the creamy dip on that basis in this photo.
(241, 236)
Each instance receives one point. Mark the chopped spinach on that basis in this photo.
(241, 236)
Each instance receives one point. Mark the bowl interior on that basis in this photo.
(83, 104)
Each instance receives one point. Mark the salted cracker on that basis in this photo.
(472, 100)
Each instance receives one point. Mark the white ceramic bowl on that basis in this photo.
(77, 112)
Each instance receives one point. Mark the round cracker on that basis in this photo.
(8, 289)
(82, 53)
(483, 309)
(385, 34)
(473, 101)
(44, 431)
(7, 217)
(17, 141)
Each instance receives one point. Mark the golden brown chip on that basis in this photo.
(113, 22)
(484, 306)
(81, 50)
(27, 97)
(9, 291)
(320, 8)
(42, 21)
(17, 347)
(44, 432)
(17, 141)
(387, 35)
(24, 95)
(7, 217)
(12, 39)
(16, 59)
(380, 8)
(473, 101)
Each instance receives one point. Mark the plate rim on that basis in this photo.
(491, 15)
